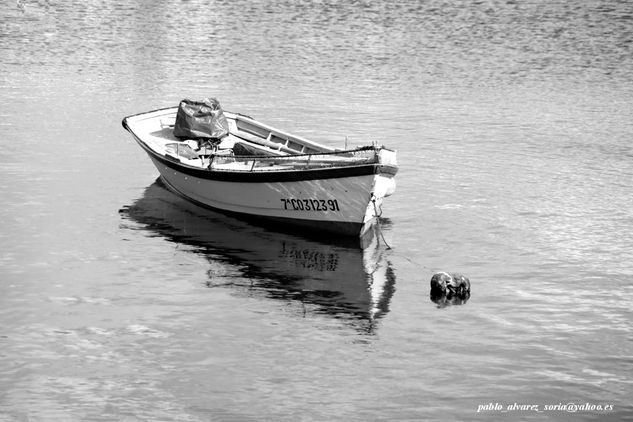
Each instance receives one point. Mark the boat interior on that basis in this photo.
(249, 146)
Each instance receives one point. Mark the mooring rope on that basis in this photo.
(377, 215)
(411, 261)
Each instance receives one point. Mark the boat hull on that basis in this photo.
(345, 203)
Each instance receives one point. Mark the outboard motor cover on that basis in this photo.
(201, 119)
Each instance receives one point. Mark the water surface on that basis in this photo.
(513, 122)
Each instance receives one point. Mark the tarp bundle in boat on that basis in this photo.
(201, 119)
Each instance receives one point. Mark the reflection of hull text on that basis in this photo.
(310, 259)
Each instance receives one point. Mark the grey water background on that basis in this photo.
(514, 126)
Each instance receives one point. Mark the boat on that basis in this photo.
(341, 279)
(257, 171)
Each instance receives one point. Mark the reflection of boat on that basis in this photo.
(258, 171)
(339, 279)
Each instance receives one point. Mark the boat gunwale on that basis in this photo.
(278, 175)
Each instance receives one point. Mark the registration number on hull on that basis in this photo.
(310, 204)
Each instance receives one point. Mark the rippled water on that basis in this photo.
(514, 126)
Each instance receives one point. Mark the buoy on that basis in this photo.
(450, 288)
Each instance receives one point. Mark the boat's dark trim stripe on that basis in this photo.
(269, 177)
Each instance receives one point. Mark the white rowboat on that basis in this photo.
(262, 172)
